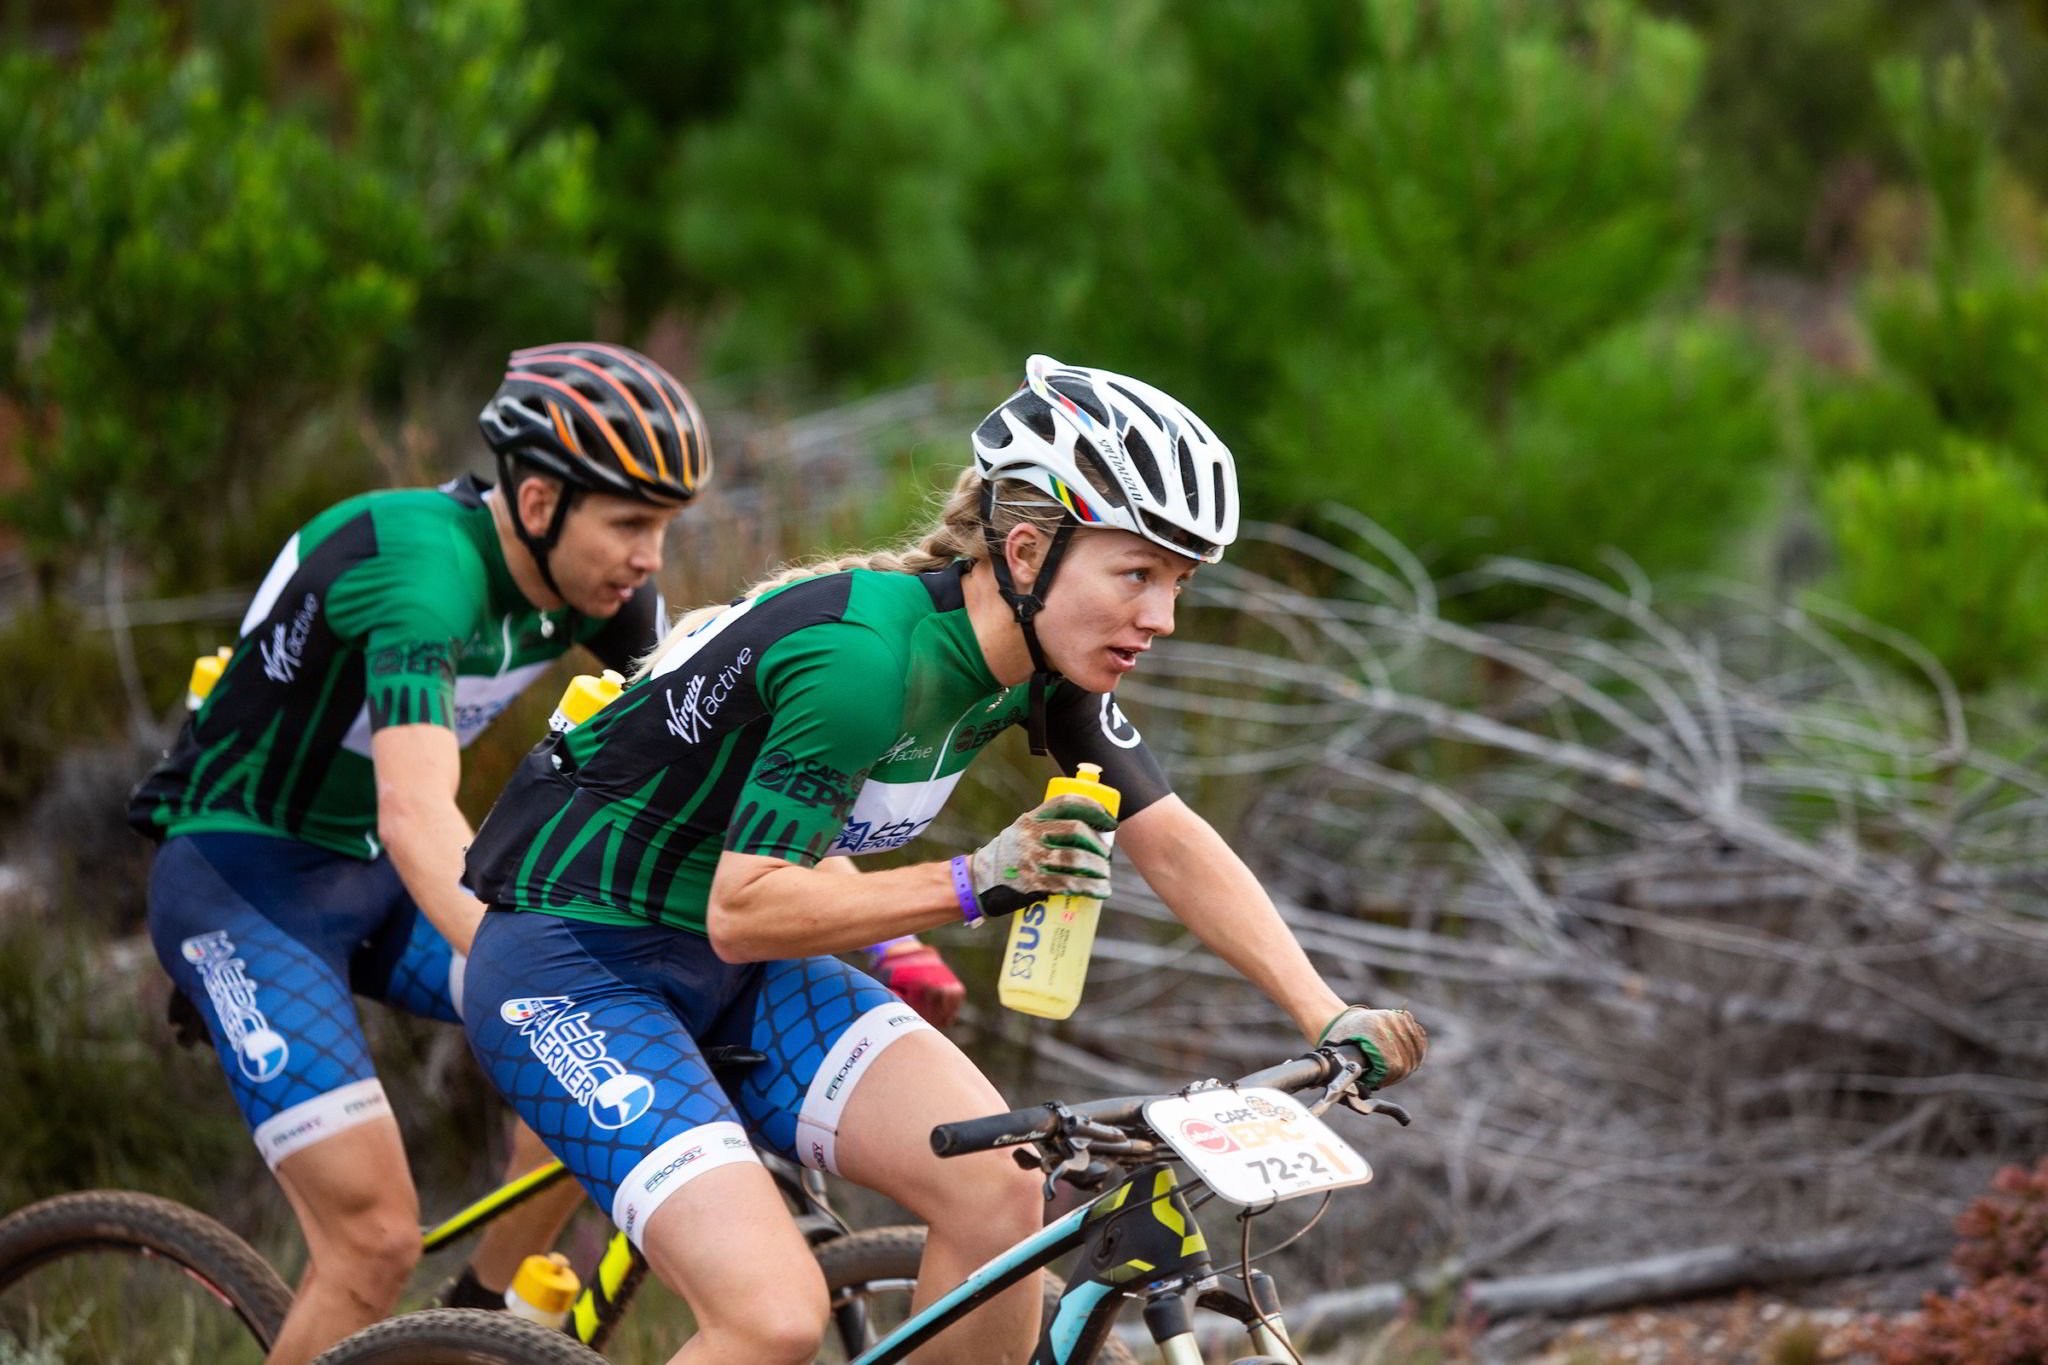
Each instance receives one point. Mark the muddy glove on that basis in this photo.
(1050, 851)
(920, 978)
(1393, 1042)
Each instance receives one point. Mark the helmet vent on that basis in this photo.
(993, 432)
(1140, 404)
(1146, 462)
(1036, 414)
(1099, 474)
(1083, 397)
(1187, 475)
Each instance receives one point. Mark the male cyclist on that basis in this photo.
(312, 842)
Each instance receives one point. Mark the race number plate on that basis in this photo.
(1254, 1147)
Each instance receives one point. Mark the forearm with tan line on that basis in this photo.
(1211, 890)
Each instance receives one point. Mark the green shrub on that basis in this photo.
(1502, 191)
(1951, 551)
(915, 189)
(204, 274)
(1656, 442)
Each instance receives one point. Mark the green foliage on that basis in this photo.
(1946, 113)
(1975, 344)
(1502, 191)
(1952, 551)
(448, 109)
(1786, 113)
(56, 684)
(1505, 221)
(915, 188)
(637, 72)
(1654, 418)
(203, 276)
(96, 1093)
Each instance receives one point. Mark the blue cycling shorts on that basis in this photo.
(596, 1034)
(269, 938)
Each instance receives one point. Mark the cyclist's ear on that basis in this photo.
(1025, 546)
(533, 502)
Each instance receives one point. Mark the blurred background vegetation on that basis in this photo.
(1703, 287)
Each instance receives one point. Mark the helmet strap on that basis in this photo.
(1025, 606)
(542, 545)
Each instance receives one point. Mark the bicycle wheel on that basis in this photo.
(111, 1275)
(870, 1276)
(459, 1336)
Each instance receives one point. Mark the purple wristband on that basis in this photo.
(963, 890)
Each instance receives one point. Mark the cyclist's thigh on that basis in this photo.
(822, 1025)
(885, 1132)
(230, 919)
(573, 1025)
(405, 962)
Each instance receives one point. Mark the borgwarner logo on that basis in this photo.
(574, 1054)
(260, 1051)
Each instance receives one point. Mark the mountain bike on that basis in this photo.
(86, 1276)
(1249, 1142)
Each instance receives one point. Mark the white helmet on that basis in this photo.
(1159, 470)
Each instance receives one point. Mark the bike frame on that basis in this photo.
(1140, 1235)
(619, 1271)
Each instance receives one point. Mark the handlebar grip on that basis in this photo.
(1013, 1129)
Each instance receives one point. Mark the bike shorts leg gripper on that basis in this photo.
(229, 917)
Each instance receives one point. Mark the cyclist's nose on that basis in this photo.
(646, 556)
(1155, 612)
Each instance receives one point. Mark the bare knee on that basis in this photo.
(999, 1207)
(783, 1328)
(376, 1249)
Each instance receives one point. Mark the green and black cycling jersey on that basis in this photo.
(832, 716)
(392, 608)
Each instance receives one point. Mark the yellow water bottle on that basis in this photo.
(583, 697)
(206, 671)
(1046, 963)
(543, 1290)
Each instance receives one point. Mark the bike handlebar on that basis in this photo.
(1039, 1122)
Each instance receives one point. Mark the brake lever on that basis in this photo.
(1373, 1104)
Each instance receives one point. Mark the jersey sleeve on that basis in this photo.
(410, 608)
(834, 693)
(632, 632)
(1089, 727)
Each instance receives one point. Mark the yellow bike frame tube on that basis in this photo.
(491, 1205)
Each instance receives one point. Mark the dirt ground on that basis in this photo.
(1836, 1323)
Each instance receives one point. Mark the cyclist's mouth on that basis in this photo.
(1125, 659)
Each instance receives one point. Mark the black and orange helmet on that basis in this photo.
(601, 418)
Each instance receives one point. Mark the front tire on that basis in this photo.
(112, 1275)
(459, 1336)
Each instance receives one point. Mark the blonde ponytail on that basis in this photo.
(958, 532)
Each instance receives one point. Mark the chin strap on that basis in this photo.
(542, 545)
(1025, 606)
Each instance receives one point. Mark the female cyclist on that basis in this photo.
(653, 887)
